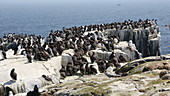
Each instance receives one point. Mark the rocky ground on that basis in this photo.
(144, 79)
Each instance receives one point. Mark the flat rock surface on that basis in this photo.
(28, 73)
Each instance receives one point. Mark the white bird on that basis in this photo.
(131, 45)
(31, 41)
(115, 40)
(46, 47)
(42, 41)
(19, 49)
(10, 93)
(1, 56)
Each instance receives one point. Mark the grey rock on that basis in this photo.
(146, 43)
(2, 90)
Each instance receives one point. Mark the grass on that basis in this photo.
(139, 68)
(155, 82)
(99, 89)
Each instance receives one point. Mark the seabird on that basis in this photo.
(13, 74)
(116, 41)
(47, 78)
(167, 26)
(35, 92)
(131, 45)
(29, 57)
(10, 93)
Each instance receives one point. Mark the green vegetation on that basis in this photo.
(154, 82)
(91, 88)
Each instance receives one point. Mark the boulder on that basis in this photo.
(167, 66)
(152, 66)
(121, 49)
(162, 73)
(65, 58)
(166, 77)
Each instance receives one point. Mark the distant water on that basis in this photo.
(40, 18)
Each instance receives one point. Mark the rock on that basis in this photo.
(154, 46)
(27, 80)
(65, 59)
(127, 67)
(53, 91)
(99, 54)
(165, 57)
(162, 73)
(91, 87)
(166, 77)
(2, 90)
(142, 65)
(45, 94)
(124, 51)
(163, 94)
(150, 67)
(132, 53)
(146, 43)
(167, 66)
(164, 89)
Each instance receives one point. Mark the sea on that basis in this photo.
(40, 16)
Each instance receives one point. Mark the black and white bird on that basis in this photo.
(10, 93)
(131, 45)
(29, 57)
(13, 74)
(167, 26)
(47, 78)
(35, 92)
(116, 41)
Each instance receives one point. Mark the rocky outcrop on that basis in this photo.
(29, 74)
(121, 49)
(147, 40)
(137, 83)
(145, 64)
(144, 84)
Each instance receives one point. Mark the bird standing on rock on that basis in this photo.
(131, 45)
(10, 93)
(13, 74)
(29, 57)
(47, 78)
(35, 92)
(4, 55)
